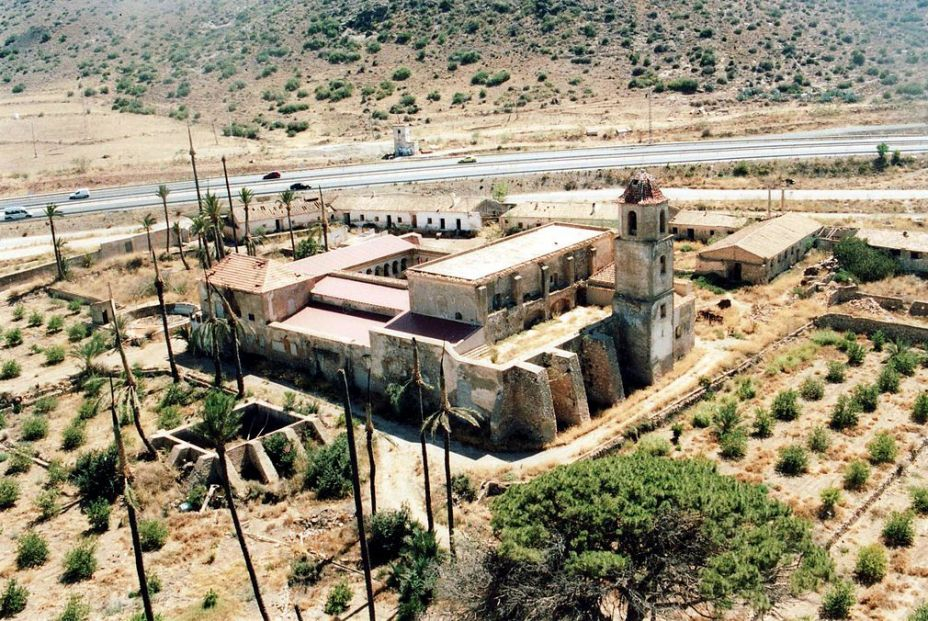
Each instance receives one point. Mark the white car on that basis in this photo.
(15, 213)
(79, 194)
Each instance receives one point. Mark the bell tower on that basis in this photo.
(643, 302)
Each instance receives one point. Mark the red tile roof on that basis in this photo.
(364, 292)
(251, 274)
(642, 190)
(355, 255)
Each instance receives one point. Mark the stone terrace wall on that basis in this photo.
(893, 330)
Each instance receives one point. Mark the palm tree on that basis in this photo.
(358, 507)
(441, 419)
(131, 394)
(51, 210)
(211, 333)
(148, 222)
(162, 193)
(286, 199)
(199, 226)
(246, 196)
(233, 325)
(369, 436)
(180, 245)
(219, 424)
(212, 209)
(420, 384)
(129, 500)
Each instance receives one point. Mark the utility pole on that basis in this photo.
(193, 163)
(225, 173)
(325, 222)
(650, 127)
(35, 153)
(769, 201)
(782, 201)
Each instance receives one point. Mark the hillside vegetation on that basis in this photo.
(256, 67)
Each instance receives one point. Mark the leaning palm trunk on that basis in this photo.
(159, 289)
(129, 501)
(131, 386)
(180, 246)
(227, 489)
(417, 378)
(449, 499)
(358, 507)
(369, 433)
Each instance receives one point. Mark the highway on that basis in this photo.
(841, 143)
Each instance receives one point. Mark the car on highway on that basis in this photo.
(79, 194)
(274, 174)
(470, 159)
(15, 213)
(299, 185)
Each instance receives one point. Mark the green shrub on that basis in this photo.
(830, 498)
(733, 445)
(45, 405)
(77, 332)
(819, 441)
(57, 473)
(305, 572)
(94, 475)
(879, 340)
(388, 530)
(899, 530)
(653, 444)
(34, 428)
(837, 601)
(170, 417)
(20, 461)
(702, 418)
(13, 337)
(746, 389)
(31, 550)
(920, 409)
(919, 500)
(415, 575)
(339, 597)
(462, 488)
(19, 311)
(401, 74)
(882, 449)
(836, 371)
(866, 397)
(80, 563)
(888, 381)
(73, 435)
(88, 409)
(98, 515)
(687, 86)
(13, 600)
(74, 306)
(75, 610)
(812, 389)
(856, 475)
(328, 472)
(47, 503)
(10, 369)
(904, 361)
(855, 353)
(762, 427)
(54, 324)
(871, 564)
(844, 414)
(282, 454)
(792, 461)
(210, 599)
(725, 418)
(54, 355)
(36, 319)
(865, 263)
(152, 534)
(825, 337)
(920, 614)
(785, 406)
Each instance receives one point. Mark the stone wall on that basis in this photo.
(842, 295)
(893, 330)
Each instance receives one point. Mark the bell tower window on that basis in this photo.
(663, 265)
(663, 222)
(632, 223)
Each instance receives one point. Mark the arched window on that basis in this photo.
(458, 316)
(663, 223)
(386, 269)
(396, 266)
(368, 271)
(377, 271)
(663, 265)
(403, 265)
(632, 223)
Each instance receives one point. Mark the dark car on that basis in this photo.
(388, 156)
(299, 185)
(272, 175)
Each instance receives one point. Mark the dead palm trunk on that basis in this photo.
(358, 507)
(130, 510)
(417, 378)
(51, 211)
(225, 173)
(180, 246)
(449, 499)
(159, 289)
(163, 194)
(369, 433)
(131, 385)
(233, 328)
(290, 227)
(227, 489)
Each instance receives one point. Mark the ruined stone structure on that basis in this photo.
(533, 331)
